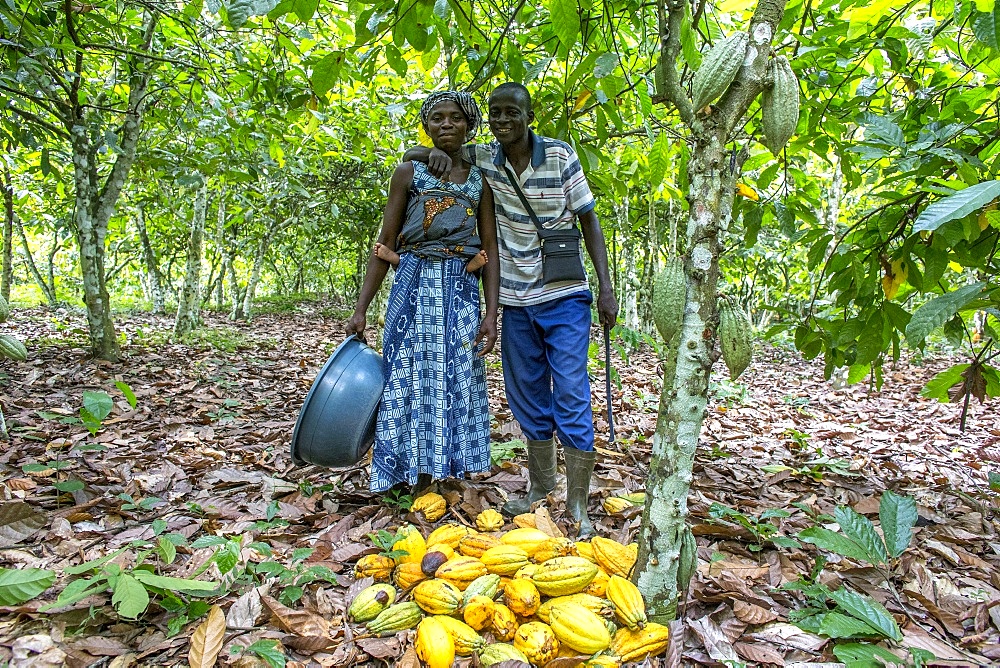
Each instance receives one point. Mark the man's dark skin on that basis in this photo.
(510, 115)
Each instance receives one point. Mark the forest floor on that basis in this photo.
(196, 482)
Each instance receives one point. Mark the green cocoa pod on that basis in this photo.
(718, 69)
(371, 601)
(779, 106)
(500, 652)
(395, 618)
(484, 585)
(12, 348)
(669, 297)
(4, 309)
(687, 560)
(734, 337)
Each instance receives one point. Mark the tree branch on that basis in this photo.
(670, 14)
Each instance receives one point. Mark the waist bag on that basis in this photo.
(560, 248)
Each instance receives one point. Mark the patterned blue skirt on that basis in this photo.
(434, 415)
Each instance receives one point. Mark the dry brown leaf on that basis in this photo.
(758, 653)
(298, 622)
(206, 641)
(753, 614)
(409, 659)
(545, 523)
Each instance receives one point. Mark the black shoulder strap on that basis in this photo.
(524, 200)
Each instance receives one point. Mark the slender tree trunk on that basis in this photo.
(154, 279)
(258, 265)
(630, 283)
(189, 303)
(8, 230)
(49, 292)
(712, 174)
(220, 243)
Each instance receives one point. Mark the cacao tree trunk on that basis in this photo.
(48, 289)
(189, 303)
(8, 230)
(258, 265)
(630, 282)
(154, 279)
(220, 243)
(713, 170)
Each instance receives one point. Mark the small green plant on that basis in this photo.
(292, 579)
(18, 585)
(844, 614)
(763, 530)
(398, 498)
(505, 451)
(225, 413)
(97, 406)
(815, 468)
(386, 542)
(266, 650)
(718, 452)
(145, 504)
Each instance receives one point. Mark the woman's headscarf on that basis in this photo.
(465, 103)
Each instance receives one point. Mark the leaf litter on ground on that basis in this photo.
(202, 461)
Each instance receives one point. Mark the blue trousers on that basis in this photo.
(544, 352)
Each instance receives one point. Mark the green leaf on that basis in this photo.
(69, 485)
(659, 160)
(867, 610)
(859, 655)
(77, 590)
(958, 205)
(605, 65)
(326, 72)
(167, 550)
(127, 391)
(565, 21)
(175, 584)
(268, 650)
(92, 565)
(130, 598)
(18, 585)
(938, 386)
(937, 311)
(98, 404)
(861, 530)
(994, 481)
(304, 9)
(898, 515)
(825, 539)
(837, 625)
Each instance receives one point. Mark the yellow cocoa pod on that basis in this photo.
(636, 498)
(524, 521)
(598, 606)
(500, 652)
(438, 597)
(554, 547)
(560, 576)
(616, 504)
(526, 571)
(613, 557)
(464, 636)
(431, 505)
(448, 534)
(475, 545)
(585, 550)
(579, 628)
(651, 640)
(537, 641)
(370, 601)
(434, 644)
(504, 559)
(602, 661)
(485, 585)
(504, 622)
(412, 543)
(374, 566)
(599, 585)
(522, 597)
(461, 571)
(630, 609)
(489, 520)
(407, 575)
(478, 611)
(528, 539)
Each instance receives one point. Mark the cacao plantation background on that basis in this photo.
(190, 194)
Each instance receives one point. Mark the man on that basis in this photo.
(545, 335)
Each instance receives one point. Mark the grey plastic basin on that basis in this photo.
(336, 425)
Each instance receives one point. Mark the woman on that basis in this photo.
(433, 421)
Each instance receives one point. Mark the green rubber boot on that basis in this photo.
(541, 476)
(579, 471)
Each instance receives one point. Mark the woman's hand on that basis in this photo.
(487, 335)
(356, 325)
(439, 164)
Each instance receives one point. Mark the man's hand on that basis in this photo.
(607, 306)
(356, 325)
(487, 335)
(439, 164)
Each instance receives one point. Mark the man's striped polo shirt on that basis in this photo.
(556, 187)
